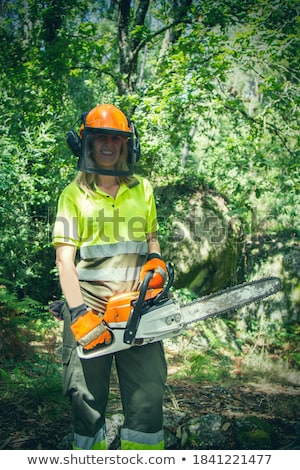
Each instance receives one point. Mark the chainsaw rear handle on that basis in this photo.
(135, 316)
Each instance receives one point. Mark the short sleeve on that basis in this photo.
(66, 224)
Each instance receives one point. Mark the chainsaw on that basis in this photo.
(149, 315)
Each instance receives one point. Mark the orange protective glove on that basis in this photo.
(156, 264)
(88, 329)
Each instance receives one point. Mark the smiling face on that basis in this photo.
(107, 150)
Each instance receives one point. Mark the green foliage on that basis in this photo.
(27, 215)
(30, 373)
(184, 295)
(214, 90)
(210, 366)
(272, 337)
(211, 96)
(223, 349)
(22, 323)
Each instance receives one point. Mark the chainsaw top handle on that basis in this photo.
(135, 316)
(164, 293)
(144, 287)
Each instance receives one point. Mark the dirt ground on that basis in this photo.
(38, 424)
(278, 405)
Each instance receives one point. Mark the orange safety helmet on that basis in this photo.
(107, 119)
(104, 119)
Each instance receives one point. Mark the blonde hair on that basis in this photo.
(88, 181)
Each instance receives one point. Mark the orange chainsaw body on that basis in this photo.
(119, 307)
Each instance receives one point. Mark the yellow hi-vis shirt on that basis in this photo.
(110, 234)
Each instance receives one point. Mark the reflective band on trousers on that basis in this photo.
(97, 442)
(136, 440)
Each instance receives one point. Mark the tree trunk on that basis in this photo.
(129, 45)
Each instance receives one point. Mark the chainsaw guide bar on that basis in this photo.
(163, 317)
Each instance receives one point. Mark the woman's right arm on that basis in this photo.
(65, 262)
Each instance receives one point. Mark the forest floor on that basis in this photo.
(35, 421)
(276, 404)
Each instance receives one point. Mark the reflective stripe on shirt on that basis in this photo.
(118, 262)
(113, 249)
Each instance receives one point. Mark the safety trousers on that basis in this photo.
(142, 373)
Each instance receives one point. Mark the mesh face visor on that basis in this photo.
(124, 165)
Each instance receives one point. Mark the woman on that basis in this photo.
(108, 216)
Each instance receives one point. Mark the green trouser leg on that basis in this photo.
(142, 375)
(86, 383)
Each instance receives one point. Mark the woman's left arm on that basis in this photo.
(153, 243)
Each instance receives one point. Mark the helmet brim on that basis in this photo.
(107, 131)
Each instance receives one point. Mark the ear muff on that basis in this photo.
(73, 139)
(136, 148)
(74, 143)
